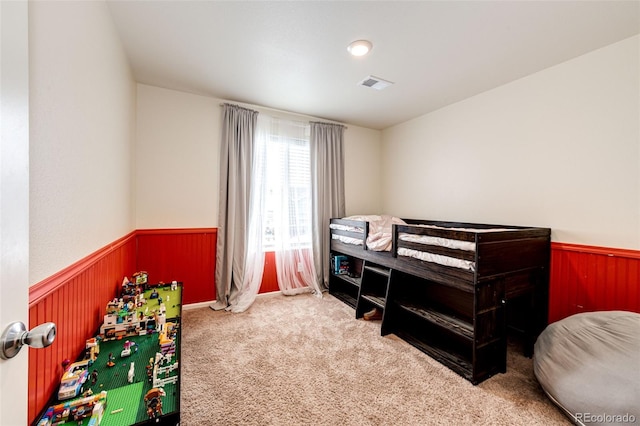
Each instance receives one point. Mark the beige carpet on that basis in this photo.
(303, 360)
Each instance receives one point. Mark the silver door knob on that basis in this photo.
(16, 335)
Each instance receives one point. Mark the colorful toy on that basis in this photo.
(92, 349)
(65, 363)
(140, 277)
(72, 380)
(163, 367)
(150, 370)
(76, 410)
(126, 351)
(130, 374)
(94, 377)
(129, 317)
(153, 401)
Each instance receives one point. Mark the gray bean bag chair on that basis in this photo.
(589, 365)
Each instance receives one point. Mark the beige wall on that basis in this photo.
(82, 118)
(559, 149)
(363, 156)
(177, 156)
(177, 160)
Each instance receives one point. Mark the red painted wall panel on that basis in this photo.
(583, 278)
(269, 275)
(586, 278)
(74, 299)
(187, 255)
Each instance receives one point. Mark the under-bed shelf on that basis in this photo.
(345, 297)
(351, 280)
(345, 288)
(375, 300)
(449, 322)
(378, 270)
(457, 363)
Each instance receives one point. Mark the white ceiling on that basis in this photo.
(292, 55)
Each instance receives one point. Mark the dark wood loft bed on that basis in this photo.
(457, 310)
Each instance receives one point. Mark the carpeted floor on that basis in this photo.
(303, 360)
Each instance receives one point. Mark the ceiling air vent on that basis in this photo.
(375, 83)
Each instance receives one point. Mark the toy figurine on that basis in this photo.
(126, 350)
(154, 294)
(111, 362)
(150, 370)
(94, 377)
(153, 402)
(140, 277)
(130, 374)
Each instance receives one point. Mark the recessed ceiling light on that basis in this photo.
(360, 47)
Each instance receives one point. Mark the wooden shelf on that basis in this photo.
(351, 280)
(375, 300)
(378, 270)
(345, 297)
(450, 322)
(455, 362)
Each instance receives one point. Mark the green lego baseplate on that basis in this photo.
(125, 397)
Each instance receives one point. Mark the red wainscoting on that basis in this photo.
(587, 278)
(583, 278)
(187, 255)
(269, 275)
(74, 299)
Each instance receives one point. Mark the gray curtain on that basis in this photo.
(236, 158)
(327, 190)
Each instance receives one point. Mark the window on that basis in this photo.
(284, 179)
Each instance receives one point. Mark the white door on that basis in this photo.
(14, 201)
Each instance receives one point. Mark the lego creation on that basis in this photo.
(129, 374)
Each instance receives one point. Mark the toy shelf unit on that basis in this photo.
(344, 280)
(463, 328)
(373, 288)
(131, 368)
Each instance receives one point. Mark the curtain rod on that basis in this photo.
(241, 104)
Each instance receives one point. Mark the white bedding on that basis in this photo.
(347, 240)
(438, 241)
(379, 239)
(468, 265)
(428, 240)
